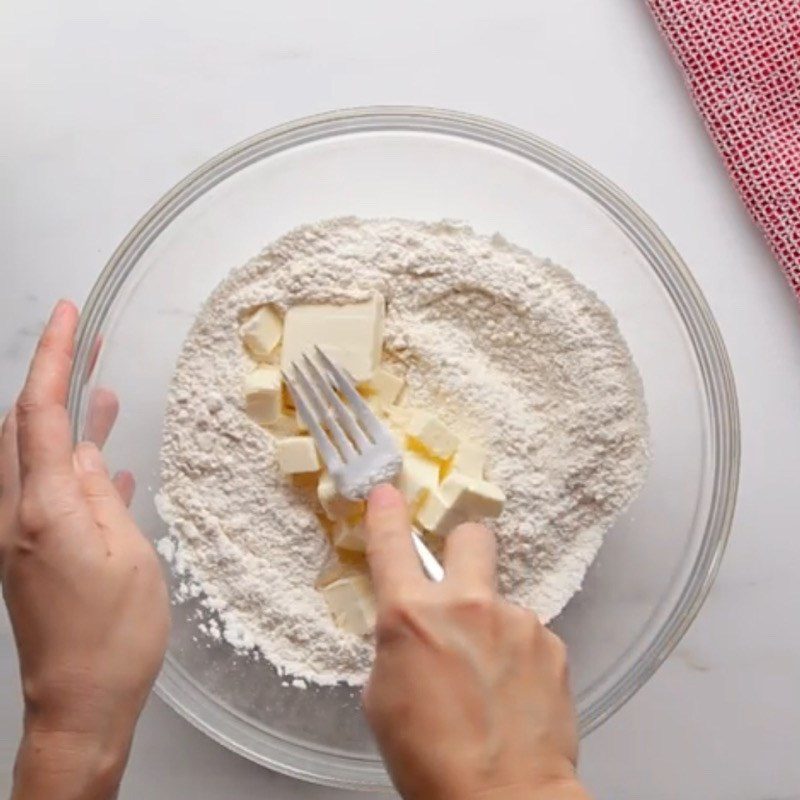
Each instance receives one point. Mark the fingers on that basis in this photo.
(9, 462)
(470, 557)
(9, 479)
(43, 433)
(392, 559)
(105, 502)
(94, 353)
(125, 484)
(102, 414)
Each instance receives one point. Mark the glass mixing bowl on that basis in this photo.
(658, 561)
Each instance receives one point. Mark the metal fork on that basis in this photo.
(358, 449)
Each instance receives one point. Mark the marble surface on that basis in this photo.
(106, 106)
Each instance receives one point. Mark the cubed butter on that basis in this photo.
(475, 498)
(352, 604)
(261, 332)
(379, 409)
(349, 534)
(418, 476)
(469, 459)
(396, 432)
(374, 404)
(335, 505)
(285, 425)
(398, 437)
(340, 564)
(435, 514)
(262, 392)
(351, 335)
(432, 434)
(459, 499)
(384, 388)
(398, 417)
(297, 454)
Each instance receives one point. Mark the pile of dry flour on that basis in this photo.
(504, 346)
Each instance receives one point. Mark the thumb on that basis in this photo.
(392, 559)
(99, 490)
(9, 478)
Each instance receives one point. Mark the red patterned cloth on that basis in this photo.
(741, 60)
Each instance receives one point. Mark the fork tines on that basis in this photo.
(315, 387)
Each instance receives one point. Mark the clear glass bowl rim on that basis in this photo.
(293, 758)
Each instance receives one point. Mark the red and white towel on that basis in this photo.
(741, 60)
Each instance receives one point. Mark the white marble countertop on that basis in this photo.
(106, 105)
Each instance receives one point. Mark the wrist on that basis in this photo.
(562, 790)
(556, 789)
(69, 765)
(567, 789)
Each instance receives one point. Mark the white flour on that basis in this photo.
(505, 346)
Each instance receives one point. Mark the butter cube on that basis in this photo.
(382, 413)
(432, 434)
(351, 335)
(340, 564)
(349, 534)
(396, 433)
(285, 425)
(297, 454)
(384, 388)
(398, 417)
(469, 459)
(352, 604)
(398, 437)
(261, 332)
(262, 392)
(436, 515)
(418, 476)
(475, 498)
(335, 505)
(375, 405)
(459, 499)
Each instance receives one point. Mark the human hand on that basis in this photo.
(85, 594)
(469, 696)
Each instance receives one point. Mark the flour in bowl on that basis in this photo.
(507, 348)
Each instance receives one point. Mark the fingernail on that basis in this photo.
(385, 496)
(89, 458)
(58, 310)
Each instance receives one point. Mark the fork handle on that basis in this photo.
(433, 569)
